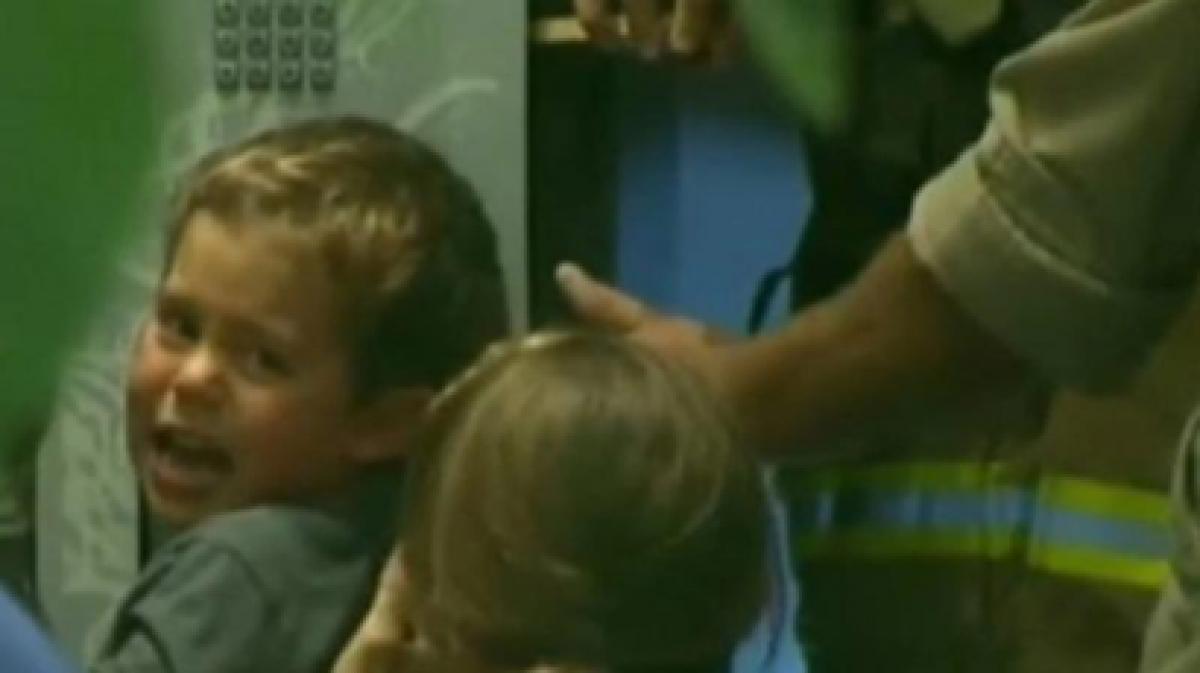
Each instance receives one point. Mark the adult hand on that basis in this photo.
(607, 308)
(891, 353)
(728, 364)
(697, 30)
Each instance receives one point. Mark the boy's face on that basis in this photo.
(240, 389)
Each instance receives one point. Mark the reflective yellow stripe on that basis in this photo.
(889, 543)
(1094, 497)
(932, 476)
(1063, 525)
(1081, 563)
(1099, 566)
(1077, 493)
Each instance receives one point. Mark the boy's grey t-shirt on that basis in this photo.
(271, 588)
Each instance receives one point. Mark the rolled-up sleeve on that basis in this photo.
(1070, 229)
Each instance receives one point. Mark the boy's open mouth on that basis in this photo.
(183, 463)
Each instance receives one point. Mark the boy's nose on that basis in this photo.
(200, 377)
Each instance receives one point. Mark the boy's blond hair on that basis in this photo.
(404, 237)
(580, 501)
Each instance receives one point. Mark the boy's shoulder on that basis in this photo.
(263, 528)
(271, 583)
(282, 540)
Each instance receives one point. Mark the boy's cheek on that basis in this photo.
(146, 379)
(270, 420)
(149, 376)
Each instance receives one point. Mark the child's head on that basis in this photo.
(580, 502)
(319, 277)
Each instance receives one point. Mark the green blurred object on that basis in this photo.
(805, 47)
(76, 131)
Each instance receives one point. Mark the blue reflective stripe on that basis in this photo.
(830, 511)
(1012, 511)
(1085, 530)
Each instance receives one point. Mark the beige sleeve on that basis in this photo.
(1070, 229)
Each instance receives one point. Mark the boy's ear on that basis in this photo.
(387, 426)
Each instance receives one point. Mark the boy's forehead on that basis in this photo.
(265, 272)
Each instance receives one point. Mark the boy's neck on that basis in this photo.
(371, 503)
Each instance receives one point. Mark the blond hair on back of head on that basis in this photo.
(579, 501)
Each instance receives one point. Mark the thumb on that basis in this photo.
(597, 303)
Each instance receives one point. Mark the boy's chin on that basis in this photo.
(174, 514)
(177, 499)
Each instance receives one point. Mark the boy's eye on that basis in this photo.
(177, 327)
(266, 362)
